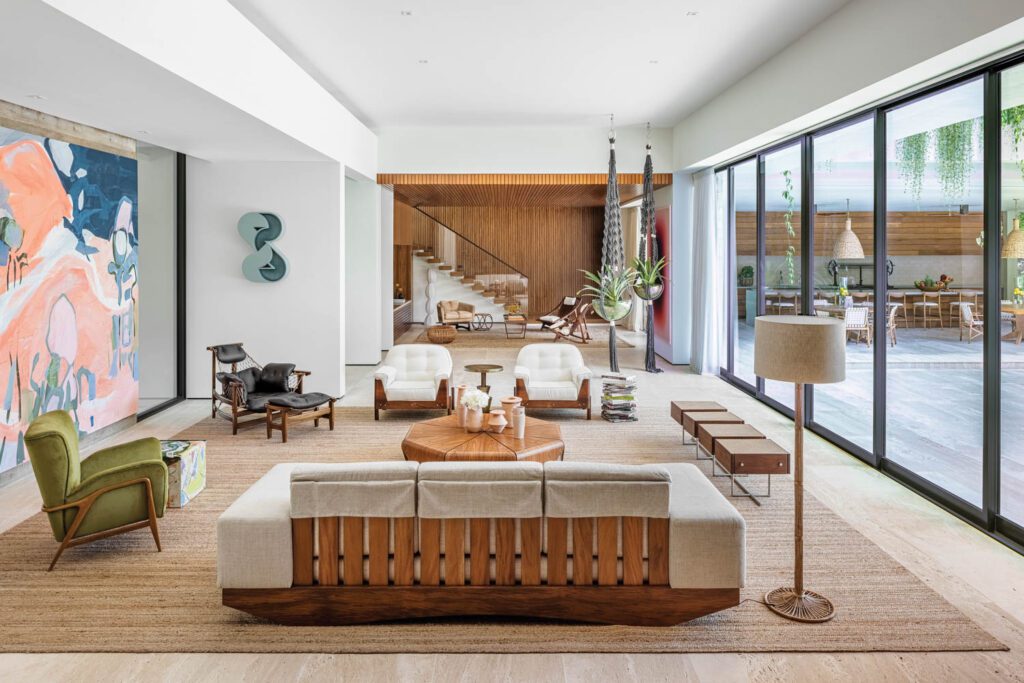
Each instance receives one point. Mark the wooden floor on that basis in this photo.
(978, 575)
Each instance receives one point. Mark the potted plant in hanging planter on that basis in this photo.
(612, 298)
(649, 285)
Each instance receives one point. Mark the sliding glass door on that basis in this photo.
(913, 238)
(1011, 282)
(782, 246)
(743, 214)
(934, 220)
(845, 272)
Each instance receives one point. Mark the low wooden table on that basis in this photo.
(709, 433)
(443, 439)
(678, 408)
(515, 326)
(692, 420)
(750, 456)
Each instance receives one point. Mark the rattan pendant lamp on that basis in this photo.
(847, 245)
(1013, 247)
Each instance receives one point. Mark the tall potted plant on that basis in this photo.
(611, 296)
(649, 285)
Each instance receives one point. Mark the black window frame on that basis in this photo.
(987, 518)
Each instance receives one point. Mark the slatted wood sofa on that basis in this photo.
(366, 542)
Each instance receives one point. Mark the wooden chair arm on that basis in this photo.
(307, 373)
(91, 498)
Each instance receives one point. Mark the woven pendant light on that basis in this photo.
(1014, 245)
(847, 245)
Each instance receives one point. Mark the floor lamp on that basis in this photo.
(803, 350)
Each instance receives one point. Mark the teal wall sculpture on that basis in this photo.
(265, 264)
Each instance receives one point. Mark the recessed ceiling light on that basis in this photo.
(407, 13)
(142, 132)
(35, 97)
(653, 61)
(691, 14)
(424, 61)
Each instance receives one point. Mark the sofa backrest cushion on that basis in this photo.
(418, 362)
(585, 489)
(550, 362)
(364, 489)
(464, 490)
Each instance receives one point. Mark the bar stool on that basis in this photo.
(930, 301)
(900, 299)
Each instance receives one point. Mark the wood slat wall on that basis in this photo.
(911, 233)
(550, 245)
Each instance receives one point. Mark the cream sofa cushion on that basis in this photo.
(553, 391)
(254, 535)
(585, 489)
(463, 490)
(707, 536)
(413, 372)
(364, 489)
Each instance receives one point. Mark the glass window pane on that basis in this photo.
(782, 246)
(844, 273)
(934, 374)
(158, 323)
(744, 211)
(1011, 280)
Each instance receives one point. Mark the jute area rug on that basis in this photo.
(119, 595)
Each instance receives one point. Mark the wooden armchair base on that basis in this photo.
(381, 402)
(582, 399)
(340, 605)
(83, 509)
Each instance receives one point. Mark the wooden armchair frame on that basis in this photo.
(236, 406)
(321, 595)
(573, 326)
(86, 503)
(381, 402)
(582, 400)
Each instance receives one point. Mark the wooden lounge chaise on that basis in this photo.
(358, 543)
(568, 320)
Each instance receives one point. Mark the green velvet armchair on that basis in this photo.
(117, 489)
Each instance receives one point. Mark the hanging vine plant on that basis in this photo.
(1013, 122)
(954, 157)
(790, 197)
(912, 155)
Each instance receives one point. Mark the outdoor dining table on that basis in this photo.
(1017, 311)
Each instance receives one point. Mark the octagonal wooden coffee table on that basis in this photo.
(443, 439)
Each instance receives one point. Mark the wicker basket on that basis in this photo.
(441, 334)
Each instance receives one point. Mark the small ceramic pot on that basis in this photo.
(509, 405)
(497, 423)
(474, 420)
(460, 410)
(520, 422)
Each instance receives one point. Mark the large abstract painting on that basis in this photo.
(68, 286)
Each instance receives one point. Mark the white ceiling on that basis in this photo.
(530, 62)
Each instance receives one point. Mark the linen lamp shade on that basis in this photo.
(800, 349)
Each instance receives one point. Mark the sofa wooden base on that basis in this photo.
(582, 401)
(340, 605)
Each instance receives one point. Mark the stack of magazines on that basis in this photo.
(618, 398)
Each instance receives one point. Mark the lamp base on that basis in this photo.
(808, 607)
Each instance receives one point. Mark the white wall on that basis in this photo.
(519, 149)
(297, 320)
(362, 284)
(679, 198)
(867, 50)
(211, 44)
(387, 268)
(157, 302)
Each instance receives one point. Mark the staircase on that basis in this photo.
(465, 272)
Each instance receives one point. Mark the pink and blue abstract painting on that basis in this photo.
(68, 286)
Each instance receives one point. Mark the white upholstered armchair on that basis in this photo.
(552, 376)
(413, 377)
